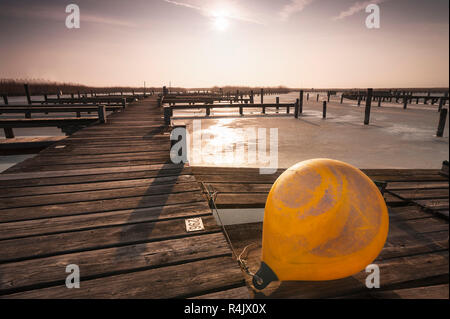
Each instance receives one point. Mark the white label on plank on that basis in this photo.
(194, 224)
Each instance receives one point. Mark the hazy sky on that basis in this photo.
(202, 43)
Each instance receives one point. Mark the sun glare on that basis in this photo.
(221, 19)
(221, 23)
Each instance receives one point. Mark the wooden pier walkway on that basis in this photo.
(109, 200)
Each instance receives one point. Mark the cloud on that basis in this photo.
(355, 8)
(208, 9)
(182, 4)
(293, 7)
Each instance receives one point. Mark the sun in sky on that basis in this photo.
(221, 19)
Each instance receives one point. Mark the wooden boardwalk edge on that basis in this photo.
(109, 200)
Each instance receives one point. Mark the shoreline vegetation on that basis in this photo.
(15, 87)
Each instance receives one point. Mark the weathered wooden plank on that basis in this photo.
(63, 243)
(157, 167)
(185, 280)
(100, 158)
(80, 208)
(422, 193)
(39, 167)
(436, 204)
(53, 225)
(75, 197)
(416, 185)
(82, 179)
(29, 274)
(83, 187)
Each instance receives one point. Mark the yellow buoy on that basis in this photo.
(324, 220)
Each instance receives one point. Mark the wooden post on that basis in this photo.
(368, 105)
(9, 133)
(359, 100)
(5, 99)
(124, 103)
(317, 99)
(405, 102)
(324, 111)
(102, 113)
(252, 97)
(342, 98)
(379, 101)
(92, 93)
(278, 103)
(307, 96)
(262, 96)
(27, 92)
(300, 105)
(78, 93)
(296, 108)
(208, 111)
(442, 120)
(441, 104)
(241, 110)
(328, 96)
(167, 114)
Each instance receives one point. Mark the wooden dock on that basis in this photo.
(109, 200)
(414, 262)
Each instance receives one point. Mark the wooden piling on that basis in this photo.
(252, 97)
(307, 96)
(9, 133)
(102, 113)
(368, 106)
(324, 110)
(5, 99)
(124, 103)
(167, 114)
(359, 100)
(442, 120)
(379, 101)
(27, 92)
(300, 105)
(278, 102)
(342, 98)
(262, 96)
(405, 102)
(441, 104)
(296, 108)
(317, 99)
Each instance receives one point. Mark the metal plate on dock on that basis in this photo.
(194, 224)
